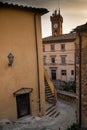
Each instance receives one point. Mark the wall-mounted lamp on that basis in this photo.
(10, 59)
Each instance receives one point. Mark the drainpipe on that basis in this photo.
(80, 78)
(75, 62)
(37, 61)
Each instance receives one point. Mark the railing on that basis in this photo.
(59, 64)
(50, 84)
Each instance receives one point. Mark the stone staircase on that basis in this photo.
(52, 110)
(51, 103)
(50, 97)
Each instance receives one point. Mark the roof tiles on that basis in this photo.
(60, 38)
(32, 9)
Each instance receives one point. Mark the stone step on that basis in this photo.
(51, 101)
(52, 111)
(49, 96)
(47, 88)
(48, 93)
(26, 119)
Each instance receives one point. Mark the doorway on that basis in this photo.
(23, 104)
(53, 74)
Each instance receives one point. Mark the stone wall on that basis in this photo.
(69, 53)
(67, 96)
(81, 78)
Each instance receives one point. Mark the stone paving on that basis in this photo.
(65, 119)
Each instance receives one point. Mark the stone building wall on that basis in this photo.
(81, 78)
(69, 64)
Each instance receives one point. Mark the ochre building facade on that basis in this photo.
(22, 84)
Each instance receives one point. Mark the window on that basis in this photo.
(44, 60)
(43, 48)
(52, 59)
(63, 72)
(53, 74)
(63, 59)
(52, 47)
(62, 47)
(72, 72)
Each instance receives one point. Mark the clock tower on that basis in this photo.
(56, 21)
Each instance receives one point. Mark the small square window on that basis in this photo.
(62, 47)
(63, 72)
(44, 60)
(63, 60)
(43, 48)
(72, 72)
(52, 47)
(52, 59)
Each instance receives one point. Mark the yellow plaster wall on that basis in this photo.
(17, 35)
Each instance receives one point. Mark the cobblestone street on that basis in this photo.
(66, 118)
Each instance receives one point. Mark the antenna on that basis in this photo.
(58, 4)
(58, 7)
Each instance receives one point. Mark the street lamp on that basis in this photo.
(10, 59)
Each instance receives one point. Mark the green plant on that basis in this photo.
(1, 127)
(74, 126)
(69, 86)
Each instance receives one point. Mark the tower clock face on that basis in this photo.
(55, 25)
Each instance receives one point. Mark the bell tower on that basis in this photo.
(56, 22)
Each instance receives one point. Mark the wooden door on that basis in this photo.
(23, 105)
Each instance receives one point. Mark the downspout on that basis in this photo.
(37, 61)
(80, 78)
(75, 63)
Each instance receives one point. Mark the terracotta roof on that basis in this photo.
(60, 38)
(81, 28)
(32, 9)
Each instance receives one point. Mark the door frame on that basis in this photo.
(55, 74)
(28, 105)
(20, 91)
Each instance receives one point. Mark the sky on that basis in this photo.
(74, 12)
